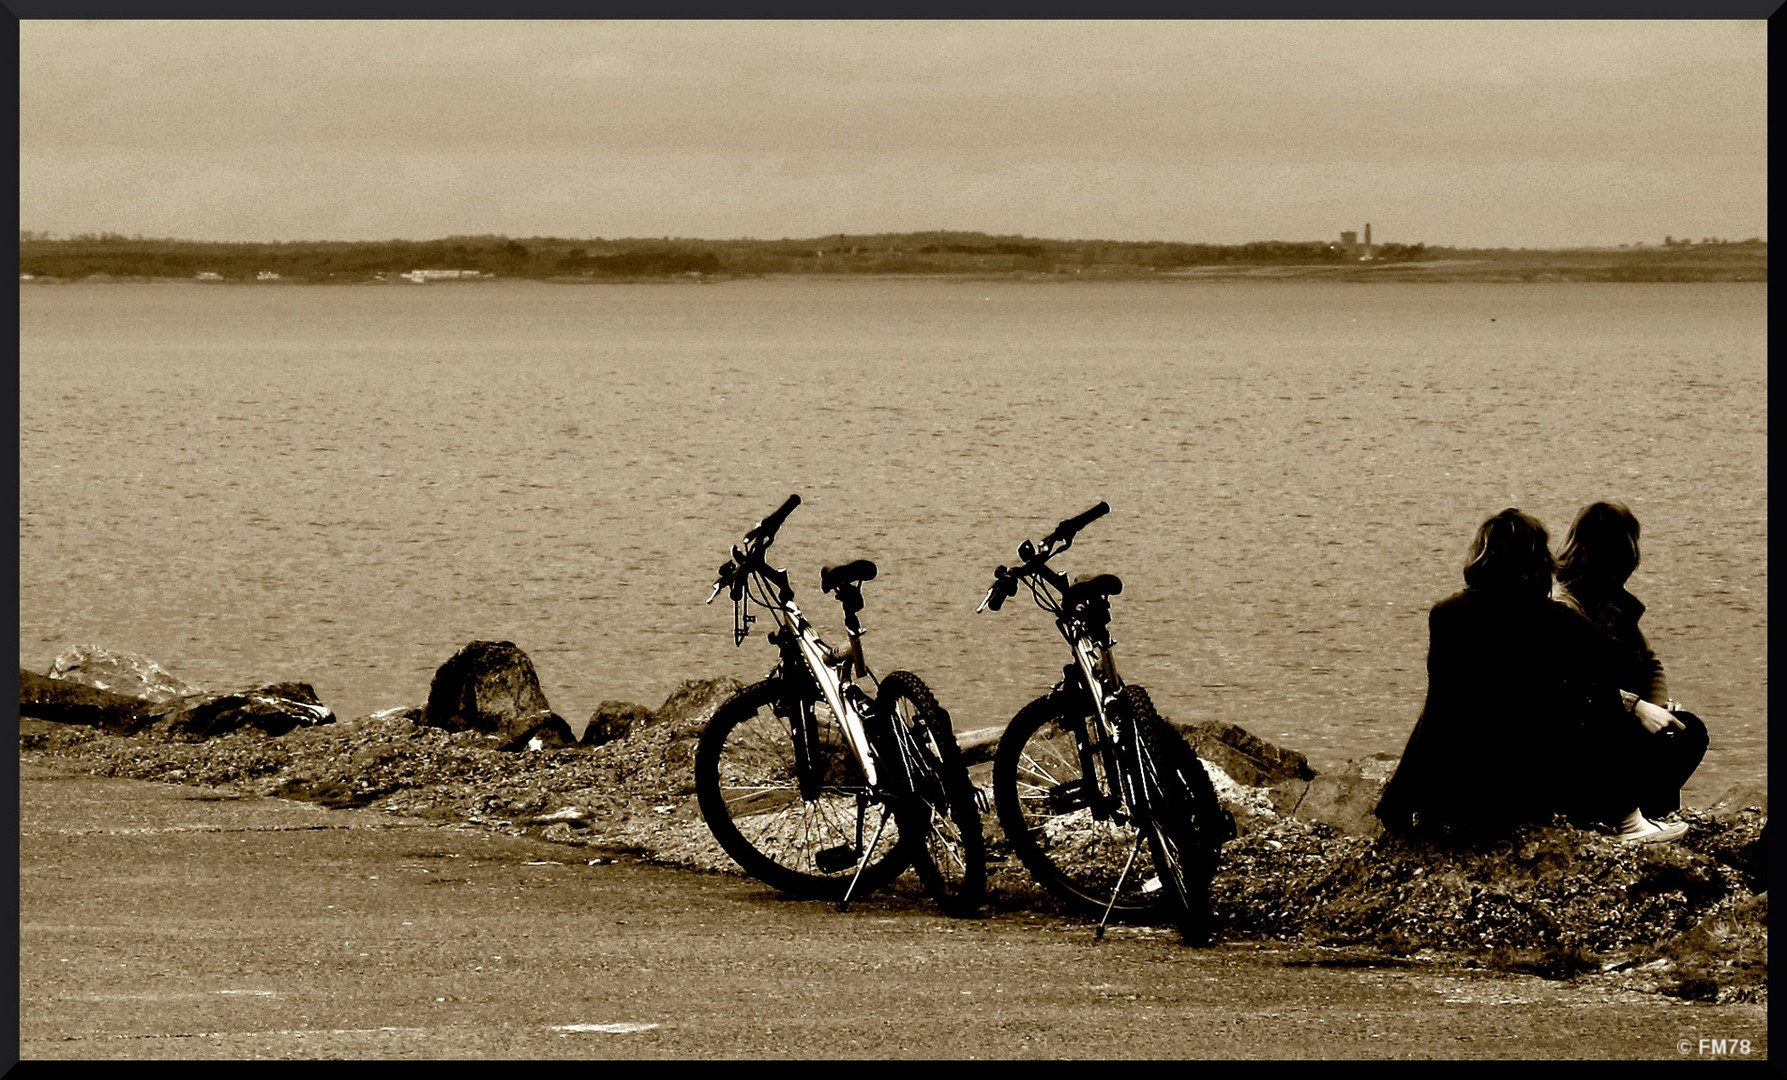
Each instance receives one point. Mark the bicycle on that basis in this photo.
(813, 786)
(1086, 774)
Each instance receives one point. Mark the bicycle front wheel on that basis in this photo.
(1184, 822)
(796, 817)
(937, 810)
(1065, 818)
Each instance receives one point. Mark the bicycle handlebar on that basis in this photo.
(765, 530)
(1067, 530)
(750, 557)
(1005, 586)
(1036, 558)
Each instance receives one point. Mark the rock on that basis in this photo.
(1248, 759)
(1286, 794)
(71, 702)
(1724, 955)
(275, 709)
(1741, 797)
(614, 720)
(120, 673)
(490, 687)
(1345, 799)
(1251, 808)
(691, 705)
(979, 745)
(553, 733)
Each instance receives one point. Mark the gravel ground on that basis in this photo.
(1684, 919)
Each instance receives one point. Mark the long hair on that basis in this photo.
(1601, 548)
(1511, 554)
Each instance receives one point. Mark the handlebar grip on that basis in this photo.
(766, 529)
(1066, 531)
(1005, 586)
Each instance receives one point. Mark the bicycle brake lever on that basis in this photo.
(718, 585)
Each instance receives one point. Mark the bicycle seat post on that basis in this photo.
(845, 583)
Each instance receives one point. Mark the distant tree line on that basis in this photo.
(548, 258)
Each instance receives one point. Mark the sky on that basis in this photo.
(1469, 134)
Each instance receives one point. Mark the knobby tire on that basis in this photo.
(1046, 805)
(1184, 823)
(921, 765)
(749, 794)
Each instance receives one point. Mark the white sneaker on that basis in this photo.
(1646, 831)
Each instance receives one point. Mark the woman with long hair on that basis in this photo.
(1653, 757)
(1513, 680)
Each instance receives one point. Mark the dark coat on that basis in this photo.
(1616, 614)
(1516, 688)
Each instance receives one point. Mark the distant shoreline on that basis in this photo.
(927, 256)
(1449, 271)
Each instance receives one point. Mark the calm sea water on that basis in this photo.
(345, 485)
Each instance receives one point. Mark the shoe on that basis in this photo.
(1649, 832)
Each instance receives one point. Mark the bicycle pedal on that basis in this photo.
(833, 859)
(1070, 796)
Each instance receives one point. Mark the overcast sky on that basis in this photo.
(1477, 133)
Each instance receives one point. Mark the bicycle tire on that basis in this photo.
(746, 784)
(1183, 820)
(1046, 809)
(935, 804)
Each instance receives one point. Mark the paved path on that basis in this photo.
(159, 921)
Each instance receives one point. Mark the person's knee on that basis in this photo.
(1693, 733)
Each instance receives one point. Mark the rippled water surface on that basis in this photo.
(345, 485)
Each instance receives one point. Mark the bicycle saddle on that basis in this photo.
(1099, 585)
(831, 578)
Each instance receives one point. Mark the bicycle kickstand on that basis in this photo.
(1098, 935)
(867, 854)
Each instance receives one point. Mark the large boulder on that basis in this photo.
(68, 702)
(614, 720)
(120, 673)
(274, 709)
(1346, 799)
(490, 687)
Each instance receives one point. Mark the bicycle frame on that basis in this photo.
(804, 650)
(1093, 678)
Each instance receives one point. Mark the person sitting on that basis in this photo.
(1654, 757)
(1511, 677)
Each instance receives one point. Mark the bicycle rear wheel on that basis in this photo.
(936, 802)
(1184, 823)
(805, 840)
(1069, 826)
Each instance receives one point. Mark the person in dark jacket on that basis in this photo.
(1513, 678)
(1663, 749)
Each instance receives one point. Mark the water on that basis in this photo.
(344, 485)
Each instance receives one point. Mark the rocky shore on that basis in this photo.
(1688, 919)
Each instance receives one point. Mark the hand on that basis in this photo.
(1656, 718)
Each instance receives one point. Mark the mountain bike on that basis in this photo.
(1088, 773)
(813, 785)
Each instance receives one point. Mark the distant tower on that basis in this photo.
(1368, 234)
